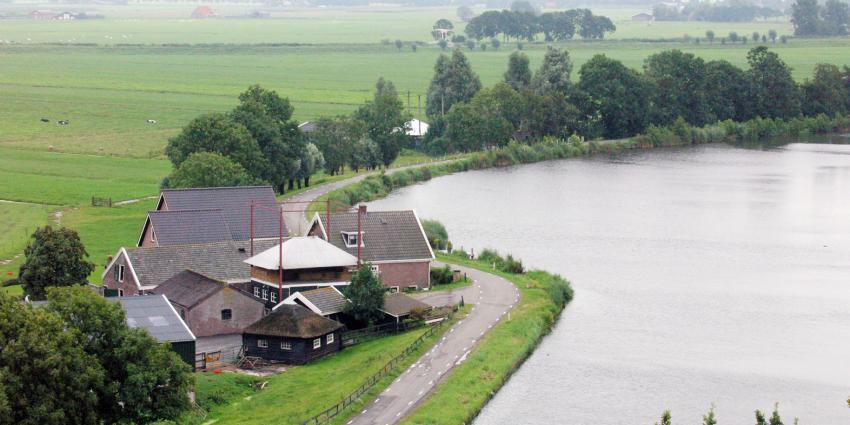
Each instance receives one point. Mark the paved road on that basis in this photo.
(493, 297)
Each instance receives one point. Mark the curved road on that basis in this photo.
(492, 297)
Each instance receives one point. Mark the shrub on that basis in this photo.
(442, 275)
(436, 233)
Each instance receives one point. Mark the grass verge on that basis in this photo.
(462, 395)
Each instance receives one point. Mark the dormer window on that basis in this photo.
(350, 239)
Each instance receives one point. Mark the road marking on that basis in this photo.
(430, 383)
(410, 402)
(364, 411)
(421, 391)
(377, 400)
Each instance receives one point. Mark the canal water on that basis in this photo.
(707, 275)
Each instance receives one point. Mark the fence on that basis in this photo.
(362, 335)
(217, 358)
(326, 416)
(101, 202)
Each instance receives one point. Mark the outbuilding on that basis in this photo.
(292, 334)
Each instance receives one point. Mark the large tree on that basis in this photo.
(836, 18)
(335, 138)
(312, 160)
(805, 15)
(221, 134)
(475, 127)
(365, 295)
(45, 375)
(518, 74)
(553, 76)
(208, 169)
(453, 82)
(144, 380)
(385, 120)
(678, 80)
(727, 93)
(827, 92)
(614, 95)
(774, 92)
(54, 257)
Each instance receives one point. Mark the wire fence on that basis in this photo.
(325, 416)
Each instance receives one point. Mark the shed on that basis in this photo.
(156, 315)
(326, 301)
(292, 334)
(642, 17)
(399, 306)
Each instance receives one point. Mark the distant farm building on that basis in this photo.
(416, 128)
(642, 17)
(42, 14)
(203, 12)
(307, 127)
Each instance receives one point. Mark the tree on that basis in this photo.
(773, 91)
(760, 419)
(470, 44)
(366, 154)
(733, 37)
(805, 16)
(710, 36)
(495, 43)
(335, 138)
(756, 36)
(774, 417)
(728, 96)
(45, 376)
(558, 25)
(678, 87)
(709, 418)
(836, 19)
(54, 257)
(399, 44)
(593, 27)
(443, 44)
(312, 160)
(465, 13)
(666, 419)
(208, 169)
(826, 93)
(772, 35)
(523, 6)
(365, 295)
(436, 233)
(144, 381)
(614, 95)
(554, 74)
(453, 82)
(218, 133)
(443, 24)
(518, 74)
(744, 39)
(385, 119)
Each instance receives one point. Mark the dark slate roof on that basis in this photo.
(189, 226)
(235, 206)
(293, 321)
(217, 260)
(387, 235)
(188, 288)
(156, 315)
(399, 304)
(326, 299)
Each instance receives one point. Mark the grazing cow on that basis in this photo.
(63, 122)
(45, 120)
(151, 121)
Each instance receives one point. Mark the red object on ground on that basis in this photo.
(8, 273)
(217, 372)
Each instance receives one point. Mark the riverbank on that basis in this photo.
(464, 392)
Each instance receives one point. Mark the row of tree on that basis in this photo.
(811, 19)
(727, 11)
(711, 419)
(612, 101)
(525, 25)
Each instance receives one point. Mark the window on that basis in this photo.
(265, 293)
(262, 343)
(226, 314)
(121, 273)
(317, 343)
(285, 345)
(120, 292)
(115, 272)
(350, 239)
(393, 289)
(329, 339)
(273, 297)
(376, 270)
(257, 291)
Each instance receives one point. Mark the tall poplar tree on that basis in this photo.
(554, 74)
(453, 82)
(518, 74)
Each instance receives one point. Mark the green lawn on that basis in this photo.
(17, 222)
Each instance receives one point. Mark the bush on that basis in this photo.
(442, 275)
(508, 264)
(436, 233)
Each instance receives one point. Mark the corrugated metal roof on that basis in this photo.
(156, 315)
(306, 252)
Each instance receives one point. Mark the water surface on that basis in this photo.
(708, 274)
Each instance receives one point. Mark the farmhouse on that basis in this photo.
(392, 241)
(137, 271)
(210, 307)
(308, 263)
(190, 216)
(292, 334)
(642, 17)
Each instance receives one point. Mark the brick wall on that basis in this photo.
(406, 274)
(129, 285)
(205, 318)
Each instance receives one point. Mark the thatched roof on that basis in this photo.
(293, 321)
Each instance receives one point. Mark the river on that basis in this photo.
(704, 275)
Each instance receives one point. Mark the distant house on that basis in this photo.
(139, 270)
(201, 215)
(292, 334)
(326, 302)
(642, 17)
(203, 12)
(307, 127)
(416, 128)
(156, 315)
(392, 241)
(210, 307)
(42, 14)
(308, 263)
(442, 34)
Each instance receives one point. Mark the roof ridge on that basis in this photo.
(216, 188)
(204, 276)
(186, 210)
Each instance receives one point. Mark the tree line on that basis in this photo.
(612, 101)
(727, 11)
(813, 20)
(524, 24)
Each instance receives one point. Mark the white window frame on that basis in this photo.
(257, 291)
(317, 343)
(329, 339)
(273, 296)
(376, 269)
(120, 292)
(346, 238)
(262, 343)
(266, 294)
(286, 345)
(120, 272)
(394, 289)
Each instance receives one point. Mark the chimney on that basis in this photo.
(361, 209)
